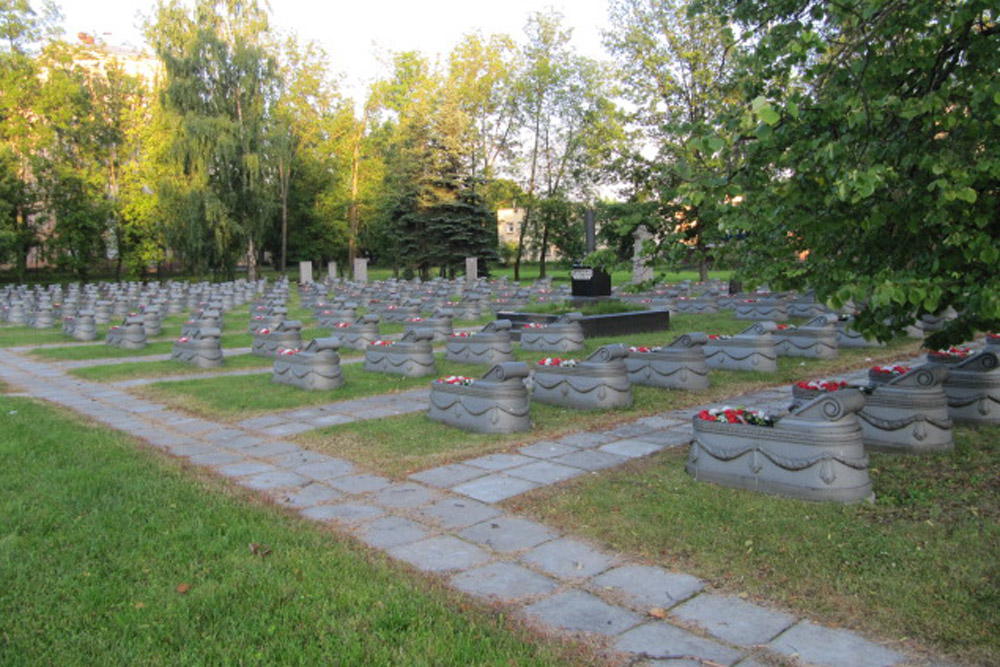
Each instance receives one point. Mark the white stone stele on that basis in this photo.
(331, 269)
(361, 269)
(305, 272)
(641, 272)
(471, 269)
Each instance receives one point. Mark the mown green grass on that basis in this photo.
(111, 554)
(228, 398)
(166, 368)
(922, 562)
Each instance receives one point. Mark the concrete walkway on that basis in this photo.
(444, 521)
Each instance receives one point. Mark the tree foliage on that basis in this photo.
(871, 131)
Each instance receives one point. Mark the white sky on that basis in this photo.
(354, 32)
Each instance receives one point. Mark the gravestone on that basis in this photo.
(361, 269)
(331, 269)
(305, 272)
(641, 272)
(471, 269)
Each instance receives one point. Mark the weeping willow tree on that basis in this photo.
(221, 80)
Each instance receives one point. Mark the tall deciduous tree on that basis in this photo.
(872, 134)
(221, 81)
(676, 70)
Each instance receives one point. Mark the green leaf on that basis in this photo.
(769, 115)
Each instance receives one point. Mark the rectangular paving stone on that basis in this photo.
(265, 449)
(587, 439)
(193, 448)
(497, 462)
(222, 435)
(331, 420)
(216, 459)
(568, 559)
(578, 611)
(507, 533)
(838, 648)
(363, 483)
(548, 450)
(503, 582)
(310, 495)
(285, 430)
(343, 512)
(630, 430)
(326, 470)
(667, 437)
(494, 488)
(645, 587)
(452, 513)
(440, 554)
(275, 479)
(545, 472)
(631, 449)
(591, 460)
(263, 421)
(733, 620)
(664, 642)
(406, 496)
(392, 531)
(660, 422)
(247, 468)
(243, 441)
(445, 477)
(298, 457)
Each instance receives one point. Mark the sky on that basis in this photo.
(354, 32)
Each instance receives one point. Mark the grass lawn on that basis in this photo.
(166, 368)
(112, 554)
(922, 562)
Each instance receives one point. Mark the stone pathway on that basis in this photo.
(444, 521)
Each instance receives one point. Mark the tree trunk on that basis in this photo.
(284, 178)
(251, 261)
(544, 251)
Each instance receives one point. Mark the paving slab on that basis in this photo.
(391, 531)
(838, 648)
(734, 620)
(578, 611)
(331, 420)
(660, 421)
(591, 459)
(298, 457)
(494, 488)
(266, 449)
(343, 512)
(216, 458)
(275, 479)
(665, 642)
(587, 439)
(310, 495)
(193, 448)
(326, 470)
(645, 587)
(545, 472)
(568, 559)
(245, 469)
(452, 513)
(263, 421)
(630, 430)
(287, 429)
(363, 483)
(445, 477)
(630, 449)
(504, 582)
(548, 450)
(406, 496)
(670, 437)
(243, 441)
(440, 554)
(508, 533)
(497, 462)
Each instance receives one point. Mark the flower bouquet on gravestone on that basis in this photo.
(496, 403)
(814, 453)
(679, 365)
(206, 318)
(267, 318)
(314, 368)
(750, 350)
(906, 410)
(600, 382)
(203, 348)
(269, 342)
(816, 339)
(973, 388)
(806, 390)
(439, 323)
(993, 341)
(950, 356)
(411, 356)
(563, 335)
(359, 334)
(491, 345)
(336, 314)
(129, 335)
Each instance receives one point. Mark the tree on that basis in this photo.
(221, 81)
(871, 137)
(677, 71)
